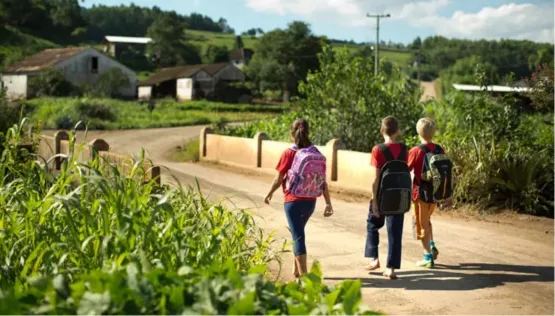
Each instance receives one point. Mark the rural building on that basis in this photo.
(494, 89)
(80, 65)
(190, 82)
(115, 45)
(241, 57)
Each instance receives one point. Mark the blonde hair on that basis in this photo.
(426, 128)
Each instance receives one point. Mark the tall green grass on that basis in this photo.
(88, 240)
(116, 114)
(90, 217)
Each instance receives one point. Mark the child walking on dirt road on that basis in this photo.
(301, 171)
(431, 171)
(391, 188)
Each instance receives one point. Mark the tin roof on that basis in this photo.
(166, 74)
(467, 87)
(127, 39)
(45, 59)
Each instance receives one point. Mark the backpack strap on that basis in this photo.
(424, 148)
(403, 153)
(385, 151)
(294, 148)
(438, 150)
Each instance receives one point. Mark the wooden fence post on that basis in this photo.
(334, 145)
(259, 137)
(58, 137)
(98, 145)
(203, 133)
(155, 174)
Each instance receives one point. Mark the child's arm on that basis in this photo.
(328, 211)
(275, 185)
(375, 183)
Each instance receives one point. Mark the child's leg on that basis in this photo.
(296, 213)
(395, 239)
(422, 211)
(373, 224)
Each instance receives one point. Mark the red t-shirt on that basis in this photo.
(378, 159)
(283, 166)
(416, 161)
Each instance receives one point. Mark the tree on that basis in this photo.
(168, 47)
(216, 54)
(111, 81)
(542, 88)
(251, 32)
(284, 57)
(471, 70)
(224, 26)
(343, 99)
(238, 43)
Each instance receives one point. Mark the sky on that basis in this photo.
(346, 19)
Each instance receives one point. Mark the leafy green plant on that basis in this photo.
(190, 152)
(51, 82)
(111, 81)
(90, 240)
(216, 290)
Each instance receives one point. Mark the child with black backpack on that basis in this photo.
(391, 191)
(431, 171)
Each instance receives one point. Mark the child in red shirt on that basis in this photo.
(297, 209)
(390, 132)
(423, 211)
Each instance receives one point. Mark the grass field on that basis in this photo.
(15, 45)
(203, 39)
(115, 114)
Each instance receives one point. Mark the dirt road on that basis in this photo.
(483, 268)
(429, 90)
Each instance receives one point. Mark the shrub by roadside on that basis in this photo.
(116, 114)
(89, 240)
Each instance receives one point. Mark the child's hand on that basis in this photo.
(268, 198)
(328, 211)
(375, 211)
(447, 203)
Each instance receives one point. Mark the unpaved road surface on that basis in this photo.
(483, 268)
(430, 92)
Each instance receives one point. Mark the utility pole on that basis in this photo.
(377, 50)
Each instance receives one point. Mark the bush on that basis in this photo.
(503, 158)
(51, 82)
(343, 99)
(111, 81)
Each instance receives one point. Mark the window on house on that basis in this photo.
(94, 65)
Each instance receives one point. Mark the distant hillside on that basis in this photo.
(203, 39)
(15, 45)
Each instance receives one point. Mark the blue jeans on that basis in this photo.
(298, 213)
(394, 237)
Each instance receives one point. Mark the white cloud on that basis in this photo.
(518, 21)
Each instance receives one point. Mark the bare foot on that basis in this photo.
(373, 265)
(296, 273)
(390, 274)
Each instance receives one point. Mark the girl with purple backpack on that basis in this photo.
(302, 175)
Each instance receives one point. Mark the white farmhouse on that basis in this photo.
(80, 65)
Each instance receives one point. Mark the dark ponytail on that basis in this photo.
(299, 132)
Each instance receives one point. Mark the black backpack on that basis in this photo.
(395, 186)
(436, 179)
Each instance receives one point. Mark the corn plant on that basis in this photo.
(89, 216)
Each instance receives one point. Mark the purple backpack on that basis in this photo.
(307, 176)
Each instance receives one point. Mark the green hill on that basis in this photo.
(15, 45)
(203, 39)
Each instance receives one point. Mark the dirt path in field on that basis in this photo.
(429, 90)
(483, 268)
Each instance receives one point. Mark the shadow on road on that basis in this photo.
(463, 277)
